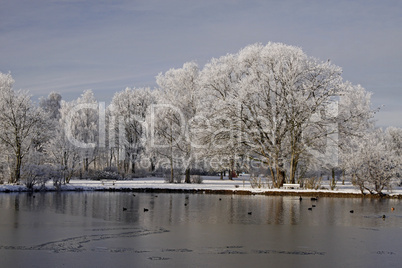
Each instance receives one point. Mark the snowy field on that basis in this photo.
(210, 184)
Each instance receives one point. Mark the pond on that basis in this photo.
(109, 229)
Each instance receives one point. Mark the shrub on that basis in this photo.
(196, 179)
(256, 182)
(111, 169)
(177, 177)
(312, 183)
(32, 175)
(106, 175)
(140, 173)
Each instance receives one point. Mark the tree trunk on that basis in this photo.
(231, 169)
(343, 177)
(274, 182)
(293, 168)
(132, 166)
(86, 165)
(187, 180)
(152, 165)
(171, 171)
(17, 168)
(230, 177)
(280, 174)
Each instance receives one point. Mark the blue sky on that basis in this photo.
(72, 45)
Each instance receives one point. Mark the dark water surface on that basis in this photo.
(91, 229)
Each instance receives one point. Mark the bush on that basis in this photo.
(256, 182)
(196, 179)
(177, 177)
(111, 169)
(32, 175)
(140, 173)
(312, 183)
(106, 175)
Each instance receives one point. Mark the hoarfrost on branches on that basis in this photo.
(374, 160)
(267, 108)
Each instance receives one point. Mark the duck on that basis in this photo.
(310, 208)
(250, 213)
(352, 211)
(124, 208)
(145, 209)
(300, 198)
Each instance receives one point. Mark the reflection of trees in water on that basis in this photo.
(282, 210)
(279, 212)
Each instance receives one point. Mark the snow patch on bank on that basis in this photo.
(210, 183)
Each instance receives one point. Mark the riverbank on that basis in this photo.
(210, 185)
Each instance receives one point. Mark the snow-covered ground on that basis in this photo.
(210, 184)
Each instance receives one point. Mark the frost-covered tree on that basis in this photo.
(394, 140)
(24, 127)
(373, 160)
(63, 154)
(282, 91)
(279, 104)
(51, 105)
(129, 107)
(216, 124)
(80, 126)
(170, 119)
(60, 151)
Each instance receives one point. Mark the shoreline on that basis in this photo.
(209, 185)
(304, 193)
(265, 192)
